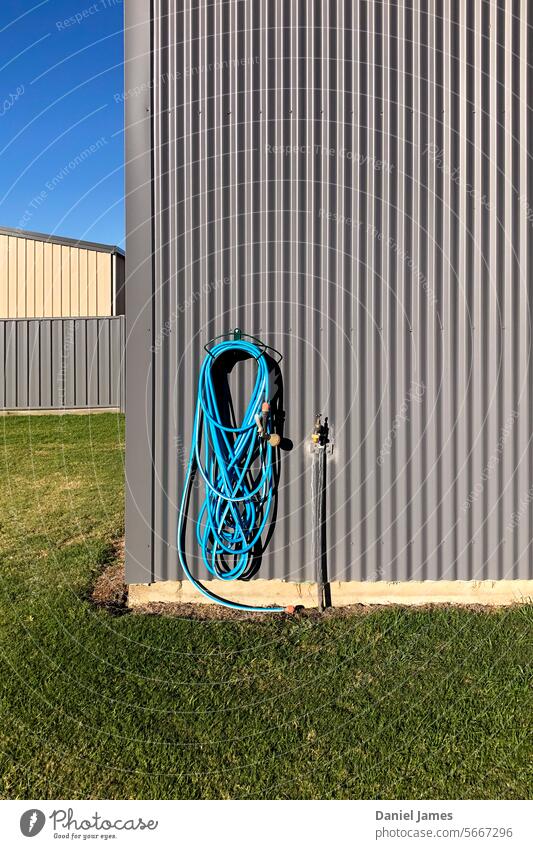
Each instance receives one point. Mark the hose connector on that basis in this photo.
(263, 426)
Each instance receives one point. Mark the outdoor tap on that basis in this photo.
(320, 434)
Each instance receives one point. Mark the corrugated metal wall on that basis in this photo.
(61, 363)
(351, 182)
(50, 279)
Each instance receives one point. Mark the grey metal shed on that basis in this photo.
(351, 182)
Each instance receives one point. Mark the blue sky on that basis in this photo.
(61, 120)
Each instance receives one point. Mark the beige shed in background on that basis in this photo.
(49, 276)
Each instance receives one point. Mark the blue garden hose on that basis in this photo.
(238, 498)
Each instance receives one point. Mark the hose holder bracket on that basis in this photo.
(237, 335)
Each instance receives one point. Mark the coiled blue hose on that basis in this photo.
(238, 499)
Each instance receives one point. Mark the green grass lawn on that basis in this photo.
(396, 703)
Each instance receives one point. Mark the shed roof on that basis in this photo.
(61, 240)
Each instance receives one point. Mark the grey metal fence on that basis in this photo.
(61, 363)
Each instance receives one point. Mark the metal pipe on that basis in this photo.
(318, 480)
(319, 442)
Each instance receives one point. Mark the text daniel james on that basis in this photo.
(421, 816)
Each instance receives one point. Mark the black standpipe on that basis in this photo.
(319, 448)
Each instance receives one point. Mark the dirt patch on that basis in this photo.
(110, 589)
(217, 613)
(200, 612)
